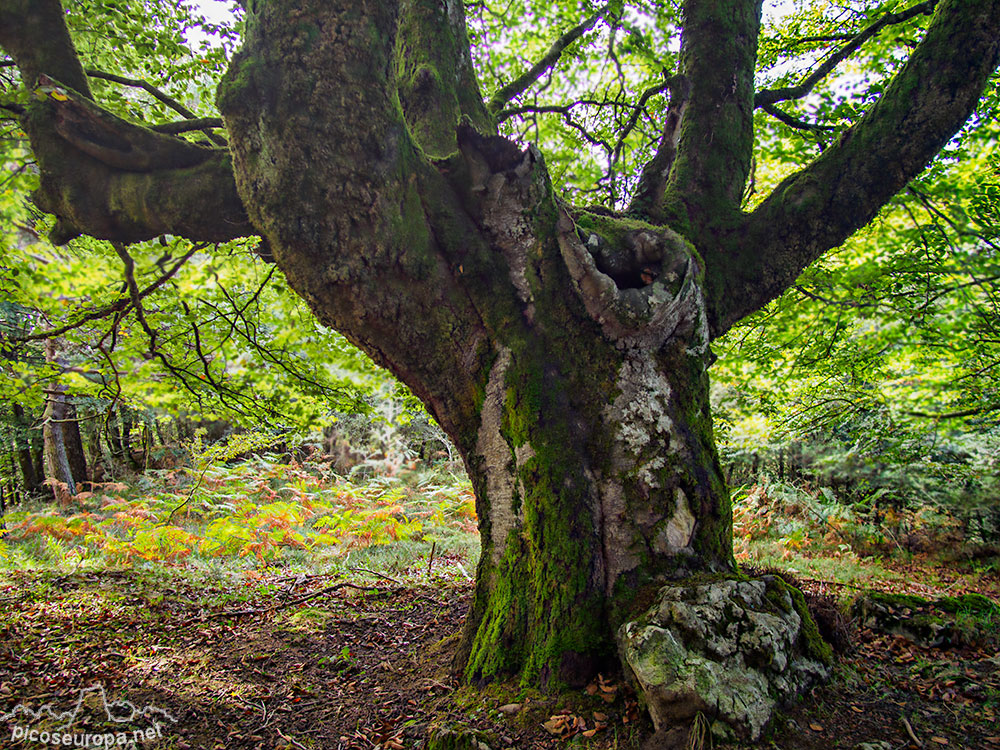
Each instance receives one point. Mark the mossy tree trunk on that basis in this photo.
(64, 456)
(31, 470)
(564, 350)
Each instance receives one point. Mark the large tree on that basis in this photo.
(563, 348)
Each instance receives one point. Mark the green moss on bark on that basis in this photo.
(810, 640)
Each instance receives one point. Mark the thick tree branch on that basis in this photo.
(648, 198)
(772, 96)
(110, 139)
(113, 180)
(34, 33)
(715, 144)
(819, 207)
(437, 83)
(521, 84)
(99, 174)
(187, 126)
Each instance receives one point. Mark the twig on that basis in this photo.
(430, 560)
(376, 574)
(263, 707)
(290, 739)
(909, 731)
(285, 605)
(187, 500)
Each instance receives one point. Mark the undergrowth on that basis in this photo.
(255, 512)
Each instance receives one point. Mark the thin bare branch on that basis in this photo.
(159, 96)
(794, 122)
(120, 305)
(521, 84)
(771, 96)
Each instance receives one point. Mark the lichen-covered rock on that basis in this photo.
(729, 649)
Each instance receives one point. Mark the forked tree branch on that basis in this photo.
(819, 207)
(772, 96)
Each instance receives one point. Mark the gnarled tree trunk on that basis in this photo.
(579, 403)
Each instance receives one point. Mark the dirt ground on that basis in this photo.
(316, 662)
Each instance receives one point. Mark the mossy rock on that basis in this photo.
(950, 621)
(734, 647)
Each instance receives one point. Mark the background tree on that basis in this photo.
(563, 348)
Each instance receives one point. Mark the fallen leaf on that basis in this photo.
(510, 708)
(556, 725)
(598, 716)
(939, 740)
(816, 727)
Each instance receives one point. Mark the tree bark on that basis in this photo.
(64, 456)
(31, 471)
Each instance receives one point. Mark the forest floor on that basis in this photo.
(264, 660)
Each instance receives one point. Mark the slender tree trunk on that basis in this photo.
(75, 451)
(38, 453)
(125, 415)
(64, 455)
(31, 471)
(92, 428)
(114, 438)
